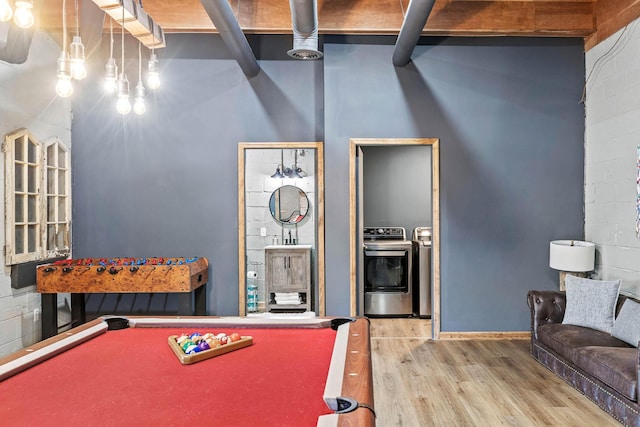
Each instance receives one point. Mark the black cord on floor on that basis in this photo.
(364, 405)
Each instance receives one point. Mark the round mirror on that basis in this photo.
(288, 204)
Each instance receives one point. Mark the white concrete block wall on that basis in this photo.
(260, 164)
(612, 135)
(28, 100)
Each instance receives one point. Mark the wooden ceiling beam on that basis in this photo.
(570, 18)
(611, 16)
(537, 18)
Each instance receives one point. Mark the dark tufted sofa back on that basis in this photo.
(548, 308)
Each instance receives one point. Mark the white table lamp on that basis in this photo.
(571, 256)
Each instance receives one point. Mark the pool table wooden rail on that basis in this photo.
(357, 381)
(39, 352)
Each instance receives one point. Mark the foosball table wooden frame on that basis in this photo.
(182, 276)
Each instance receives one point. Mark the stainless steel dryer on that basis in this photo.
(422, 271)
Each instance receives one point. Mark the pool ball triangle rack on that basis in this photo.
(187, 359)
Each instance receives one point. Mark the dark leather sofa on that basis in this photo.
(602, 367)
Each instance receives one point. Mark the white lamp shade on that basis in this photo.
(572, 255)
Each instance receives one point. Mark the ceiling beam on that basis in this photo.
(611, 16)
(414, 22)
(222, 16)
(568, 18)
(537, 18)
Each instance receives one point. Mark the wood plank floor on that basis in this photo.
(419, 382)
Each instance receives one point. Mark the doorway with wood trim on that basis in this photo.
(356, 218)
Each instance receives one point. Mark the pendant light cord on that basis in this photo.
(111, 35)
(139, 61)
(122, 43)
(77, 22)
(64, 26)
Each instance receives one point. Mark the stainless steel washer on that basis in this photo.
(388, 279)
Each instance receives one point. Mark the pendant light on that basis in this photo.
(23, 17)
(138, 104)
(76, 52)
(153, 74)
(123, 106)
(64, 88)
(279, 172)
(111, 69)
(6, 12)
(297, 171)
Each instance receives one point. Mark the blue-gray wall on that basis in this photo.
(511, 130)
(396, 186)
(506, 112)
(165, 183)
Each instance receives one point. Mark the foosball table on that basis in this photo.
(186, 277)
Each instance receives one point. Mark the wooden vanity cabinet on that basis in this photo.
(288, 270)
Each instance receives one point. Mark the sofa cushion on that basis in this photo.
(591, 303)
(566, 339)
(614, 366)
(627, 325)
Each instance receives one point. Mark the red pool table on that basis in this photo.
(298, 372)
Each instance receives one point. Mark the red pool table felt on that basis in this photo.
(132, 377)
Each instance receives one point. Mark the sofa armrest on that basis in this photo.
(545, 307)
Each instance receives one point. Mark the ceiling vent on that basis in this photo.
(304, 18)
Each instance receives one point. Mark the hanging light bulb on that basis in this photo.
(6, 12)
(123, 106)
(110, 76)
(138, 104)
(23, 17)
(76, 57)
(153, 75)
(76, 52)
(111, 69)
(64, 88)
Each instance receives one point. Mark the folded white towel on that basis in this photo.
(287, 302)
(286, 294)
(289, 299)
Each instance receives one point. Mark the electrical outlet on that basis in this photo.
(36, 314)
(263, 231)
